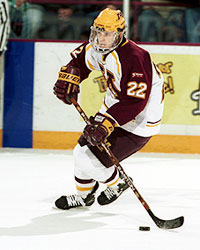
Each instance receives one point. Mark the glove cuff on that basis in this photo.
(69, 74)
(67, 77)
(108, 125)
(105, 122)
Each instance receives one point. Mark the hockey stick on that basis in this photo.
(164, 224)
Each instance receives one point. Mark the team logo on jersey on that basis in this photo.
(166, 69)
(101, 83)
(195, 96)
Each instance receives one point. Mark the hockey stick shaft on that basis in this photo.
(167, 224)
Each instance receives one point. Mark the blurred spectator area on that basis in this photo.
(149, 21)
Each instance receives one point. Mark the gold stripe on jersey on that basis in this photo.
(104, 57)
(124, 43)
(118, 70)
(90, 65)
(111, 84)
(88, 62)
(105, 105)
(88, 47)
(153, 124)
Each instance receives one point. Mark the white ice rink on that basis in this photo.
(31, 180)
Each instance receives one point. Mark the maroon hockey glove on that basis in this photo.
(67, 85)
(101, 127)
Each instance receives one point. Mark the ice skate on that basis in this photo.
(75, 200)
(110, 194)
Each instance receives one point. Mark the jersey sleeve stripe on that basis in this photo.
(153, 124)
(105, 104)
(118, 68)
(90, 65)
(88, 47)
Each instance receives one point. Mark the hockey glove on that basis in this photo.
(101, 127)
(67, 85)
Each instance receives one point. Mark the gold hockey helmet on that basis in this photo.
(109, 21)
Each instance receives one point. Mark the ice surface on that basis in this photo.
(31, 180)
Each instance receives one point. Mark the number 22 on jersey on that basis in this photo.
(136, 89)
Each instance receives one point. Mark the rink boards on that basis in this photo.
(31, 116)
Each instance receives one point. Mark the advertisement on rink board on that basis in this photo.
(55, 125)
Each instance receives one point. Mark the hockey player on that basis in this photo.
(131, 112)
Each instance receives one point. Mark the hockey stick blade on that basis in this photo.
(166, 224)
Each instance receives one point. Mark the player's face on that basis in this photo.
(105, 39)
